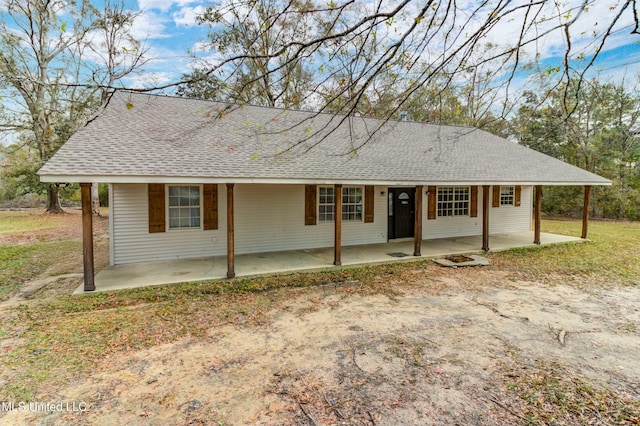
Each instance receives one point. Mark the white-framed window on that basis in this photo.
(326, 204)
(352, 203)
(184, 207)
(507, 195)
(453, 201)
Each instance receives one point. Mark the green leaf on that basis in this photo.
(129, 105)
(418, 19)
(552, 70)
(63, 27)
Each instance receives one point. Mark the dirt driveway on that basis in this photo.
(332, 355)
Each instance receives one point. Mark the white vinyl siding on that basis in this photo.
(503, 219)
(132, 241)
(267, 218)
(271, 218)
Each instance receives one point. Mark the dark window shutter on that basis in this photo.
(432, 201)
(496, 195)
(516, 196)
(156, 207)
(473, 209)
(310, 198)
(368, 203)
(210, 206)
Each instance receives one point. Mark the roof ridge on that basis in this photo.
(382, 121)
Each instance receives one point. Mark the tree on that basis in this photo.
(599, 133)
(538, 125)
(33, 50)
(201, 85)
(18, 175)
(412, 43)
(471, 101)
(259, 27)
(44, 63)
(119, 55)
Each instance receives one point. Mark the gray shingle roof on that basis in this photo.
(158, 138)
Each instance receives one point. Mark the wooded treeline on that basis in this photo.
(59, 59)
(600, 133)
(425, 58)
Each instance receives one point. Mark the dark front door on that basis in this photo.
(402, 204)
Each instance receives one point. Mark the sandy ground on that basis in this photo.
(332, 356)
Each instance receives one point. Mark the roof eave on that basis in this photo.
(298, 181)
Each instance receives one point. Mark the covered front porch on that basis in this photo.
(145, 274)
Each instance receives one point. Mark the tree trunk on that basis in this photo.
(53, 200)
(95, 199)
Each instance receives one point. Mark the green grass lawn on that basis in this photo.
(20, 263)
(23, 221)
(30, 242)
(611, 256)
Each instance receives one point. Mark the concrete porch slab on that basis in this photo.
(145, 274)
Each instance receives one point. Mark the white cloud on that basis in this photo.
(187, 15)
(163, 5)
(594, 21)
(506, 33)
(149, 79)
(150, 25)
(168, 62)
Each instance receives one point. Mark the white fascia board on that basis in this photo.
(199, 180)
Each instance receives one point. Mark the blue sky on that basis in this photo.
(170, 30)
